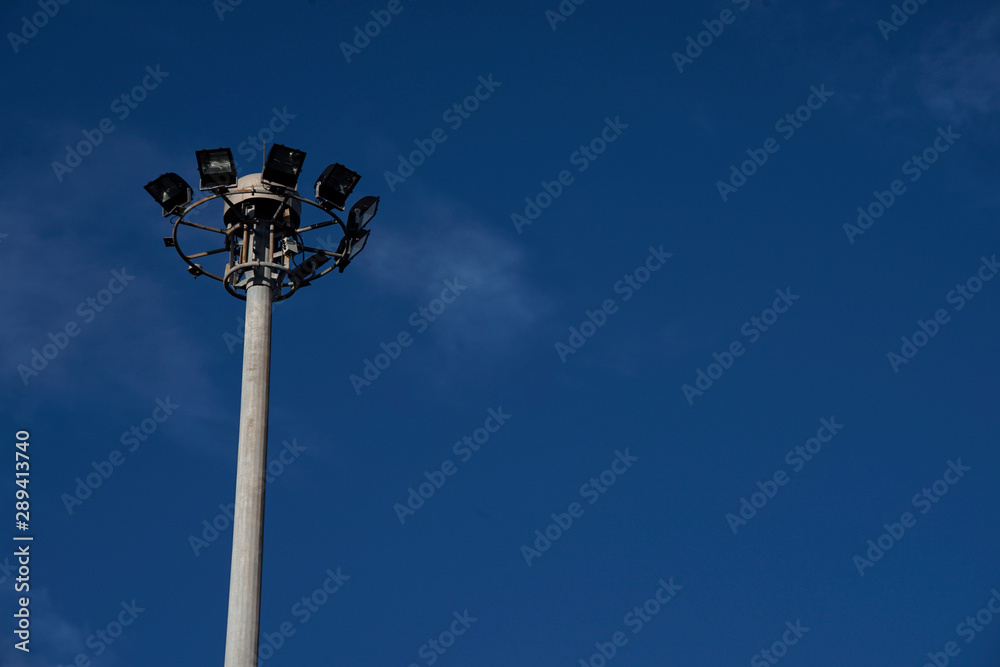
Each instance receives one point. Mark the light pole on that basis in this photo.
(262, 243)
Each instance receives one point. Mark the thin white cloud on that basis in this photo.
(68, 240)
(959, 70)
(954, 77)
(441, 239)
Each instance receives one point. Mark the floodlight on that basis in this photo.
(361, 213)
(170, 191)
(350, 247)
(309, 266)
(283, 165)
(335, 184)
(216, 167)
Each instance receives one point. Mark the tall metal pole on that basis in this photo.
(263, 236)
(243, 627)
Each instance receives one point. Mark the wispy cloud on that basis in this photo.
(954, 75)
(68, 241)
(440, 239)
(959, 69)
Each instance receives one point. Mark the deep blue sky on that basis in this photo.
(848, 298)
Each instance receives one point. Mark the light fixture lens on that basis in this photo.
(361, 214)
(216, 167)
(335, 184)
(283, 165)
(170, 191)
(350, 247)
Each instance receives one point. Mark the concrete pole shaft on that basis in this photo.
(243, 627)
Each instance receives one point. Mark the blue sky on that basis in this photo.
(722, 330)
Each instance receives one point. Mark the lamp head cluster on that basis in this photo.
(261, 220)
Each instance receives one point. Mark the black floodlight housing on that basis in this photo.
(216, 167)
(361, 214)
(283, 166)
(350, 247)
(335, 184)
(309, 266)
(170, 191)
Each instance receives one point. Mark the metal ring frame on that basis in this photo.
(285, 282)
